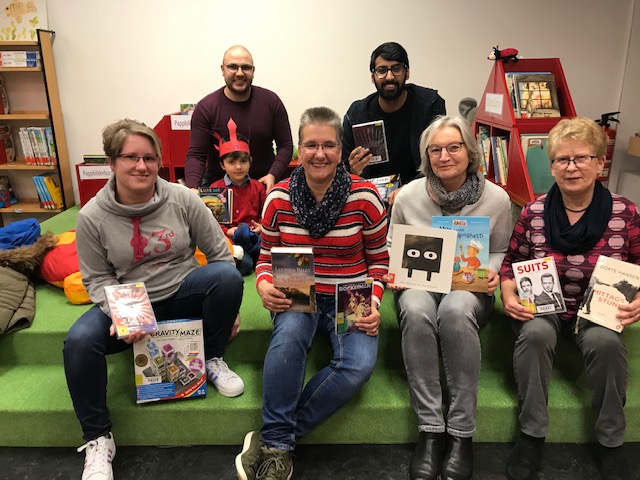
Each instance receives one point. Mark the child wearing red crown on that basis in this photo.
(248, 196)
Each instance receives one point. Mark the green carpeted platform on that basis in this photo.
(35, 408)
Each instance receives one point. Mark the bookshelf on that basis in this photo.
(34, 101)
(496, 113)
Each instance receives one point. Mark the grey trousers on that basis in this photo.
(605, 358)
(453, 320)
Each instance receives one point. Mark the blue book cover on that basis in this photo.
(471, 263)
(534, 148)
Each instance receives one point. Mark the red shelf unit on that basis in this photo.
(175, 144)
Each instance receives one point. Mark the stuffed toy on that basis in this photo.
(504, 55)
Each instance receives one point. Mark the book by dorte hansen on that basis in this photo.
(131, 310)
(471, 263)
(353, 300)
(220, 201)
(293, 274)
(422, 257)
(371, 135)
(170, 364)
(539, 285)
(613, 282)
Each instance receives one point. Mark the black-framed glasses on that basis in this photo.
(580, 161)
(328, 147)
(397, 70)
(233, 68)
(132, 158)
(434, 151)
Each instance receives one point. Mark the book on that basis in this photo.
(537, 94)
(52, 183)
(498, 153)
(7, 148)
(422, 257)
(385, 185)
(539, 285)
(473, 237)
(371, 135)
(220, 201)
(4, 99)
(513, 96)
(293, 274)
(7, 197)
(46, 201)
(169, 364)
(94, 159)
(131, 310)
(353, 300)
(484, 141)
(534, 148)
(613, 283)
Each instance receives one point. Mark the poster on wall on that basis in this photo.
(19, 19)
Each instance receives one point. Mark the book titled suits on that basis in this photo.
(293, 274)
(539, 285)
(471, 263)
(422, 257)
(220, 201)
(131, 310)
(613, 283)
(371, 135)
(353, 300)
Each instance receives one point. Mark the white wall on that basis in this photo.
(142, 59)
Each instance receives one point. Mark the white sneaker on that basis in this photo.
(98, 457)
(223, 378)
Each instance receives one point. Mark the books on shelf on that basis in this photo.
(49, 190)
(4, 99)
(500, 160)
(220, 201)
(471, 264)
(533, 94)
(38, 146)
(422, 257)
(534, 148)
(131, 310)
(539, 285)
(20, 58)
(99, 159)
(293, 274)
(385, 185)
(484, 142)
(371, 135)
(353, 300)
(613, 283)
(7, 197)
(169, 364)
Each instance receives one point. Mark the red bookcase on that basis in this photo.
(175, 144)
(497, 114)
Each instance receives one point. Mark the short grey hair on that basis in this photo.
(321, 116)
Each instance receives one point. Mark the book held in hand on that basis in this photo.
(371, 135)
(131, 310)
(422, 257)
(293, 274)
(471, 263)
(385, 185)
(353, 300)
(220, 201)
(613, 283)
(169, 364)
(539, 285)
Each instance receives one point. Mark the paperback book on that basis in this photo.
(534, 148)
(422, 257)
(539, 285)
(293, 274)
(499, 154)
(131, 310)
(471, 263)
(371, 135)
(169, 364)
(613, 283)
(7, 197)
(220, 201)
(536, 94)
(386, 185)
(484, 142)
(353, 300)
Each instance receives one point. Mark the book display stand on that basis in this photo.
(173, 131)
(496, 113)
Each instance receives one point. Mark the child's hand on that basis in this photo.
(255, 227)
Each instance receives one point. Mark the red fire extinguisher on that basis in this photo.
(605, 120)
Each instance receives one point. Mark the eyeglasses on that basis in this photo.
(132, 158)
(328, 147)
(397, 70)
(453, 148)
(233, 68)
(580, 161)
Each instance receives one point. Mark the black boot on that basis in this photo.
(425, 463)
(458, 458)
(614, 463)
(525, 457)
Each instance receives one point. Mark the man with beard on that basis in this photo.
(406, 110)
(257, 111)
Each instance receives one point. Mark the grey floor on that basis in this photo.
(312, 462)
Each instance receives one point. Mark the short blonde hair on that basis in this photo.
(114, 135)
(583, 129)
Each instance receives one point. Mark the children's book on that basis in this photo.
(537, 94)
(131, 310)
(422, 257)
(293, 274)
(613, 283)
(386, 185)
(484, 141)
(220, 201)
(170, 364)
(353, 300)
(534, 147)
(471, 263)
(539, 285)
(7, 197)
(371, 135)
(498, 153)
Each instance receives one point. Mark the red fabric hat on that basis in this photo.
(233, 145)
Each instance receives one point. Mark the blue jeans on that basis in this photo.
(212, 292)
(290, 408)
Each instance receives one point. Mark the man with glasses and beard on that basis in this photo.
(406, 110)
(257, 111)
